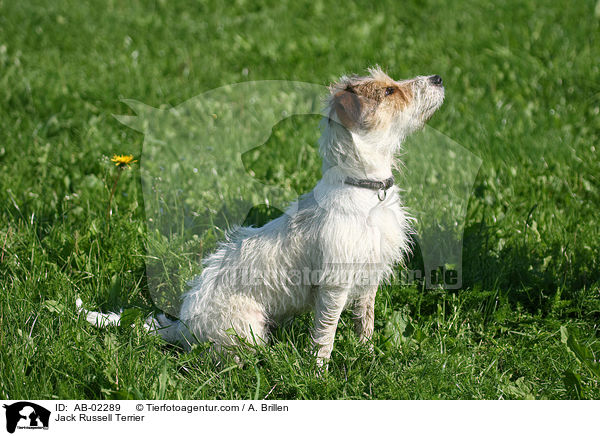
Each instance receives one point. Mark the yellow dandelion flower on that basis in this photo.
(123, 161)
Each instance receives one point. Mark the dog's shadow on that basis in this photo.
(523, 274)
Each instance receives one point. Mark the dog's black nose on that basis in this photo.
(435, 80)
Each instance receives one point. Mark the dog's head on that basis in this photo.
(378, 109)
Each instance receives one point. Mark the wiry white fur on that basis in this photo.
(331, 248)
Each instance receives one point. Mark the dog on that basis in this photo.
(333, 247)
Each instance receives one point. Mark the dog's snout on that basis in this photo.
(435, 80)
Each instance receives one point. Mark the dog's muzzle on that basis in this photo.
(435, 80)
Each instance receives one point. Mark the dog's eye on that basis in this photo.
(389, 90)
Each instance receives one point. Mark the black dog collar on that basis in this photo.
(381, 186)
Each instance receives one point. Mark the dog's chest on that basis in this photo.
(386, 223)
(377, 230)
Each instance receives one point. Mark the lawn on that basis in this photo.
(522, 94)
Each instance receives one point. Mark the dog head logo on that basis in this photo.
(26, 415)
(193, 171)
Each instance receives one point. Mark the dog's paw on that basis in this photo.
(367, 342)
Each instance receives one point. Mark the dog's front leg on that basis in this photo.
(329, 305)
(364, 316)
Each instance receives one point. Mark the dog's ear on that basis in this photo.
(347, 107)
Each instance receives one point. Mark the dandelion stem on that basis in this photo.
(112, 193)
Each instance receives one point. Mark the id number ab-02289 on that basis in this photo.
(98, 407)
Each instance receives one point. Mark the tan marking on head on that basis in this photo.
(347, 107)
(377, 97)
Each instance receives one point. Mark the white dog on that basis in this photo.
(333, 247)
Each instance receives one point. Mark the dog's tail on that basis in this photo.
(173, 331)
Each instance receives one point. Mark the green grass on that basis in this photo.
(523, 94)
